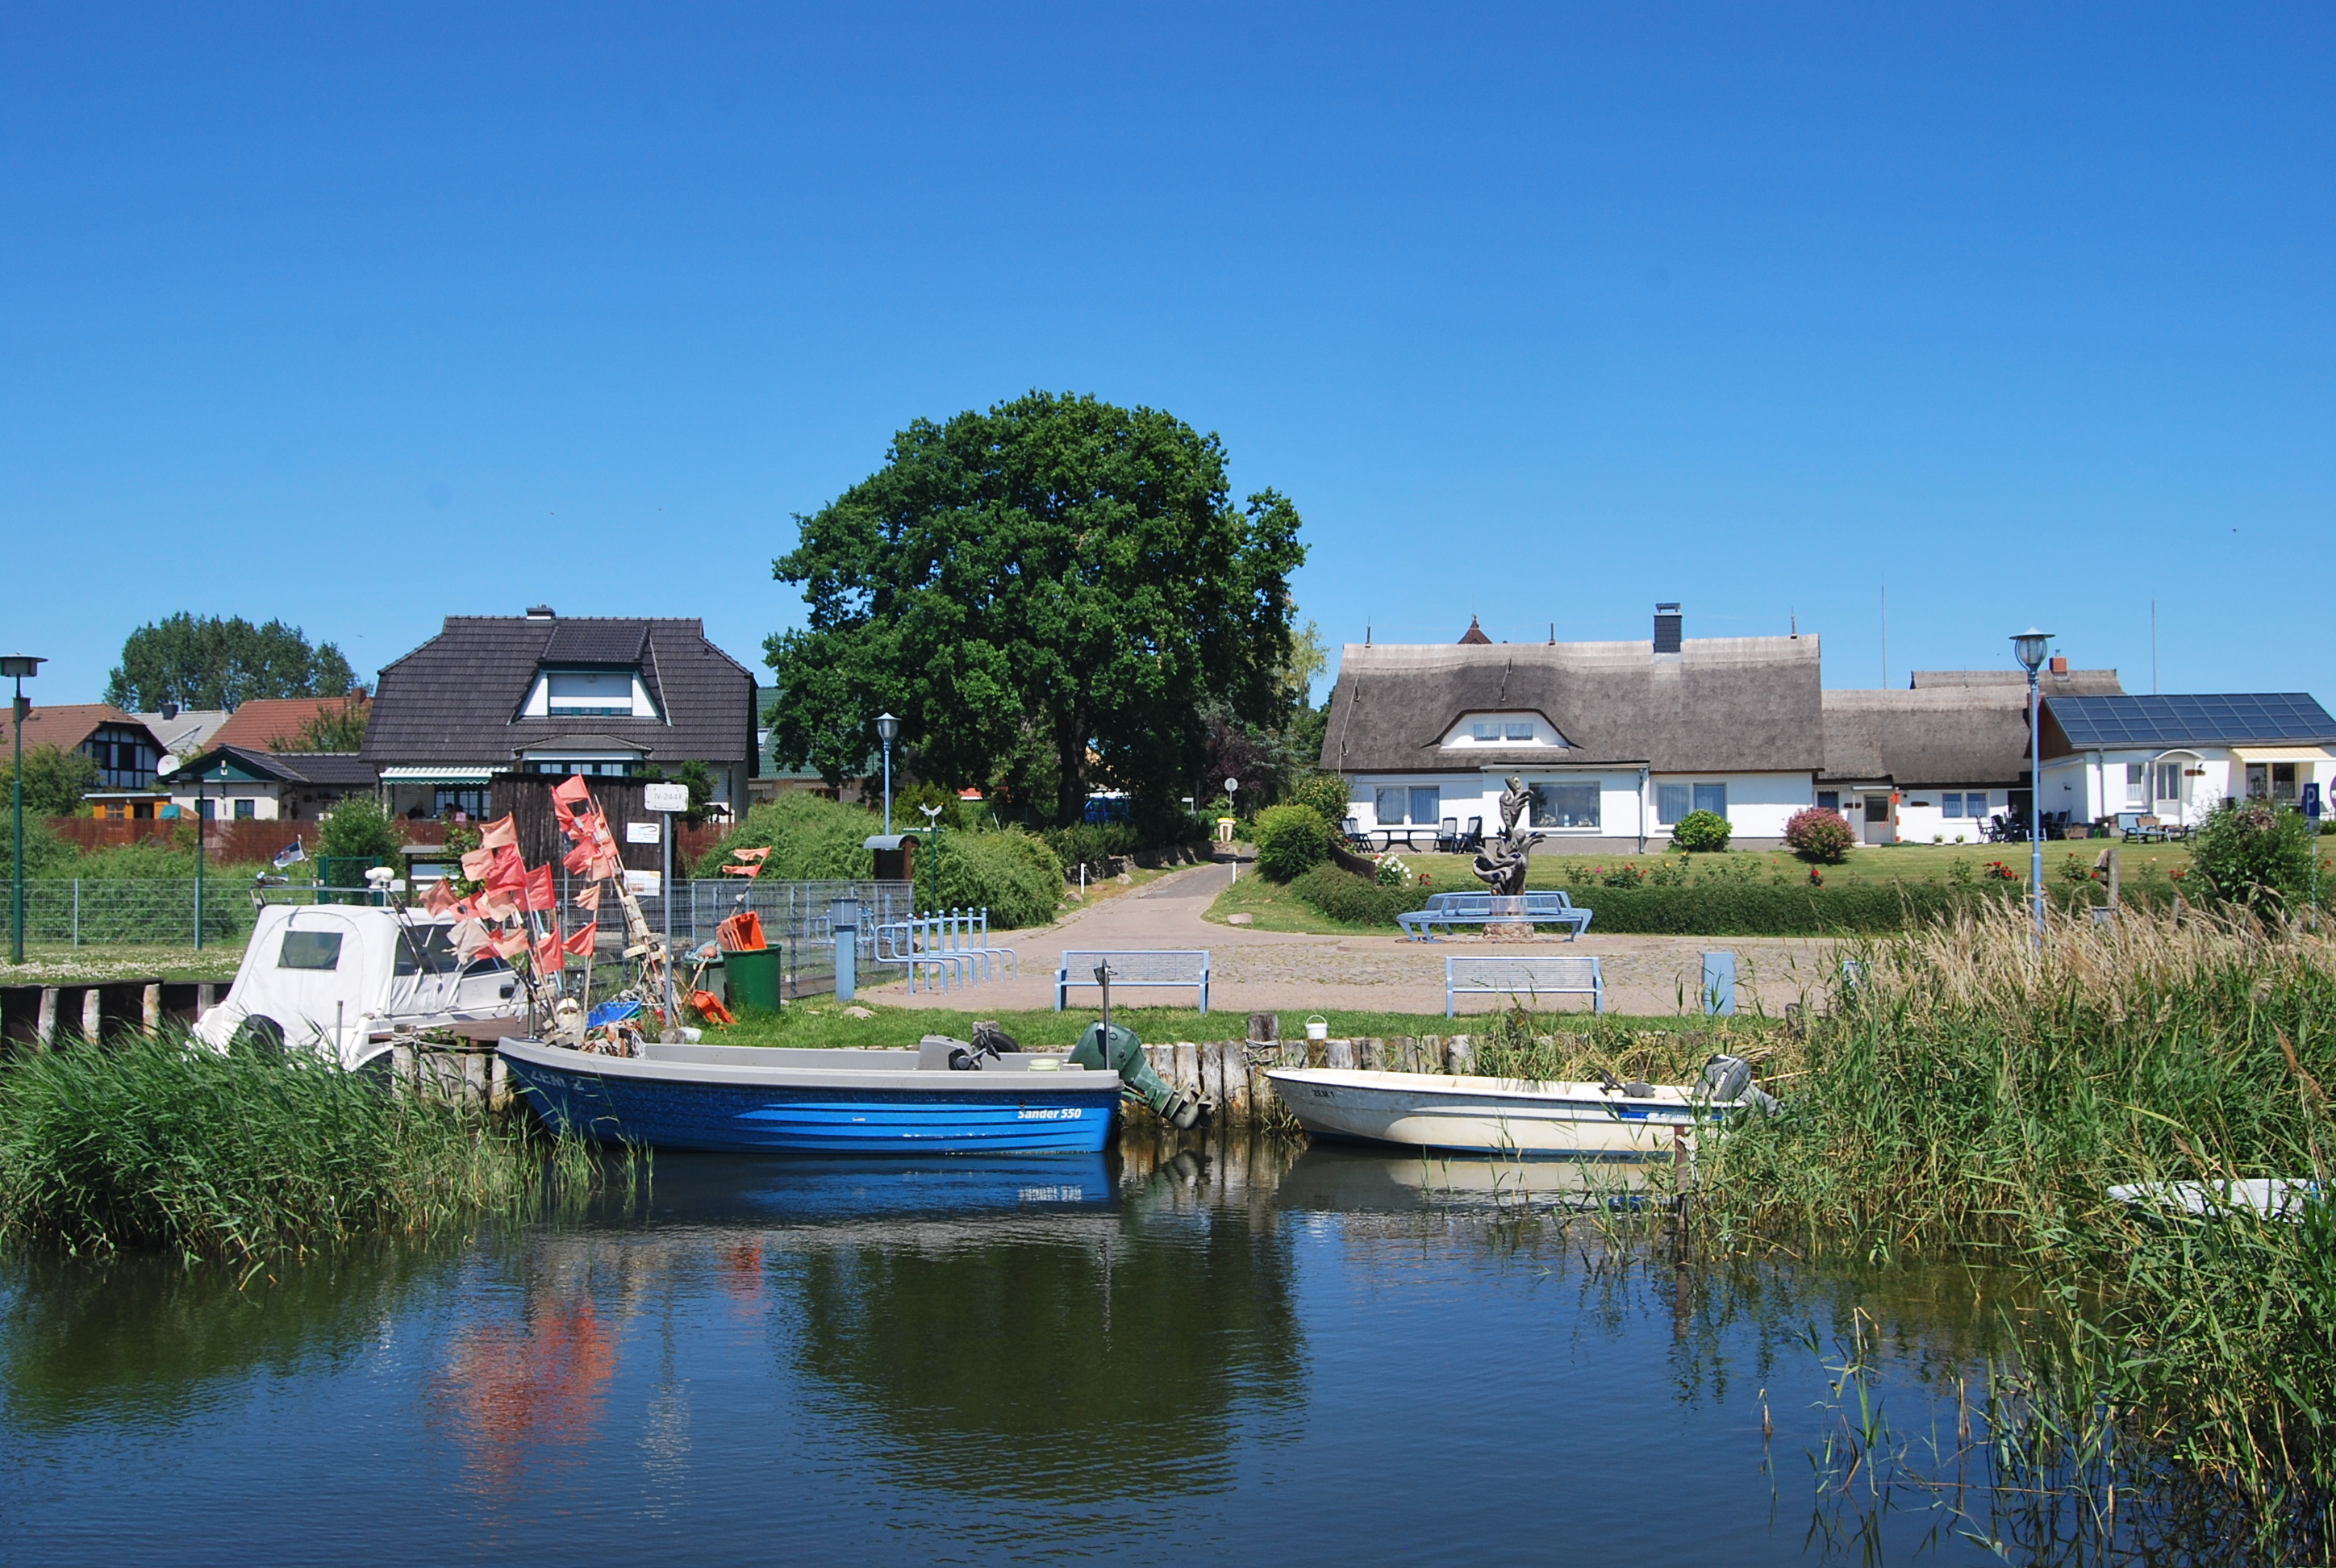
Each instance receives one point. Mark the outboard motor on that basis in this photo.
(1727, 1081)
(1108, 1046)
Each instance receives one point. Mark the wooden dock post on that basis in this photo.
(92, 1015)
(44, 1024)
(149, 1006)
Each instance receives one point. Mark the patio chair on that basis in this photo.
(1354, 834)
(1447, 836)
(1474, 839)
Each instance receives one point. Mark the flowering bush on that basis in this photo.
(1392, 873)
(1997, 872)
(1816, 877)
(1818, 834)
(1622, 877)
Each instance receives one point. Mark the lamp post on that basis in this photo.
(933, 829)
(2030, 647)
(18, 666)
(200, 802)
(887, 726)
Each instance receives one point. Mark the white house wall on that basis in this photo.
(1758, 804)
(1923, 817)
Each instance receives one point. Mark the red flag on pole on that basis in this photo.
(498, 834)
(540, 896)
(580, 941)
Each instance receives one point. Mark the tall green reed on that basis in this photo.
(161, 1142)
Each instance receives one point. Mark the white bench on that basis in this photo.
(1533, 977)
(1163, 967)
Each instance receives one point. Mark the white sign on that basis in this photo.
(643, 885)
(666, 797)
(641, 832)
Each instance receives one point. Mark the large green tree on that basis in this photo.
(1054, 570)
(208, 662)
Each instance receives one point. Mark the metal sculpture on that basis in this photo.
(1501, 866)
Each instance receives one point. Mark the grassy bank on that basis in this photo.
(1968, 1095)
(827, 1024)
(151, 1143)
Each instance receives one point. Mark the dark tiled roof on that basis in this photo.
(2285, 718)
(332, 769)
(1740, 705)
(453, 699)
(595, 642)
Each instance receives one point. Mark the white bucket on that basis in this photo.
(1317, 1027)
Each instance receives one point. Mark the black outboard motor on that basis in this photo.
(1727, 1081)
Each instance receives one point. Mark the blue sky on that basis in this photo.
(363, 316)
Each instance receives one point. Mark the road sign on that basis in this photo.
(2312, 801)
(641, 832)
(666, 797)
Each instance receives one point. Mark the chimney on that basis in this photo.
(170, 710)
(539, 612)
(1667, 629)
(2059, 663)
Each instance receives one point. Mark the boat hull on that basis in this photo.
(1487, 1115)
(792, 1109)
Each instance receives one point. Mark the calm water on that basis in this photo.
(1230, 1352)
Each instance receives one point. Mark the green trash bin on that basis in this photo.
(754, 979)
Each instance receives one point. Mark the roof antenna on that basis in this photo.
(1797, 625)
(1367, 634)
(1552, 634)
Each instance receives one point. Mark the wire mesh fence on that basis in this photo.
(125, 911)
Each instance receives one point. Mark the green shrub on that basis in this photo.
(1701, 832)
(358, 828)
(1817, 834)
(1290, 841)
(55, 781)
(908, 813)
(1325, 793)
(1012, 874)
(811, 839)
(1088, 842)
(2255, 853)
(1358, 901)
(45, 854)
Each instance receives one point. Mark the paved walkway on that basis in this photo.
(1274, 971)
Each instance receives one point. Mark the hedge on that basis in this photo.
(1709, 909)
(1012, 874)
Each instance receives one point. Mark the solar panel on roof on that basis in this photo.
(601, 642)
(2218, 719)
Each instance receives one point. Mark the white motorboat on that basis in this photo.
(1516, 1115)
(339, 980)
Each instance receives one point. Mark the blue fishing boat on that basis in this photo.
(945, 1097)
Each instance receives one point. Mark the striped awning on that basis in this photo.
(442, 773)
(2282, 753)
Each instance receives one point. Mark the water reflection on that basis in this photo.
(1041, 1358)
(149, 1340)
(1172, 1347)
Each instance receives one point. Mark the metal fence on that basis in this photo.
(87, 912)
(108, 912)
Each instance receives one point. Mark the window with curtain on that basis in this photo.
(1712, 798)
(2136, 785)
(1565, 805)
(1951, 805)
(1426, 801)
(1391, 805)
(2169, 780)
(1672, 802)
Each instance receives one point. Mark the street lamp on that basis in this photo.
(18, 666)
(933, 829)
(2030, 647)
(887, 726)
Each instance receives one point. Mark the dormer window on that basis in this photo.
(588, 693)
(1504, 730)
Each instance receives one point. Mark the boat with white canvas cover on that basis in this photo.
(1517, 1116)
(339, 980)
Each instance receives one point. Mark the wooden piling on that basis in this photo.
(93, 1014)
(44, 1024)
(149, 1006)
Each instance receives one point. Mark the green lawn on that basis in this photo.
(56, 963)
(822, 1022)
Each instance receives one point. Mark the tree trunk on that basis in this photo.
(1071, 774)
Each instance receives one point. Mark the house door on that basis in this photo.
(1880, 829)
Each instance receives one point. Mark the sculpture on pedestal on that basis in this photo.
(1501, 866)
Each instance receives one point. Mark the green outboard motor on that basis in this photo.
(1110, 1046)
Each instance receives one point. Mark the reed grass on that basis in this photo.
(1969, 1092)
(158, 1142)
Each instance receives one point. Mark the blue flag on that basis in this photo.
(289, 853)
